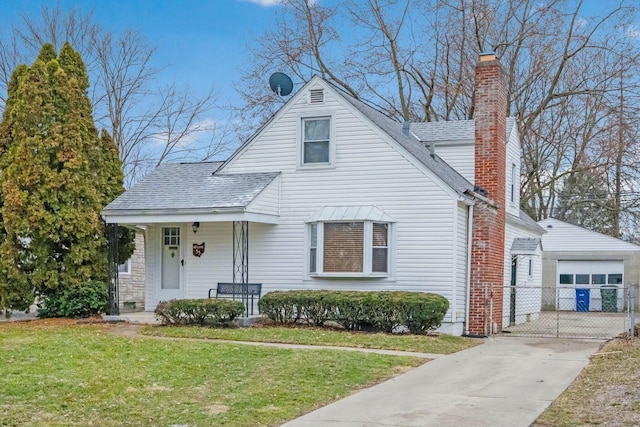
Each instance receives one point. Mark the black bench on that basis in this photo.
(246, 292)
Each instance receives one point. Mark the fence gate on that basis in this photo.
(568, 312)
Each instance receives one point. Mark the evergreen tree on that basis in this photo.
(57, 173)
(584, 200)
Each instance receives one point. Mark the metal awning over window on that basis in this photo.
(525, 246)
(351, 213)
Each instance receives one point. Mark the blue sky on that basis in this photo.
(202, 42)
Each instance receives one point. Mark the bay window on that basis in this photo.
(349, 248)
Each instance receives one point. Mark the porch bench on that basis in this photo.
(246, 292)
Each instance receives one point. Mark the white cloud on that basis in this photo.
(200, 132)
(265, 3)
(632, 31)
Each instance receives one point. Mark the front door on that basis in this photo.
(171, 262)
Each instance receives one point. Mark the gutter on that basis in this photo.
(169, 211)
(482, 198)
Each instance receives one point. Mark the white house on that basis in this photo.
(577, 258)
(332, 194)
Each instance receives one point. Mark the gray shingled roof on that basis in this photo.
(410, 143)
(525, 245)
(529, 221)
(191, 186)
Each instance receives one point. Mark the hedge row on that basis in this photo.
(360, 311)
(215, 312)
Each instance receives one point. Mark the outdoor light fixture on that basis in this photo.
(195, 227)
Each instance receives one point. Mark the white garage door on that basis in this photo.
(586, 275)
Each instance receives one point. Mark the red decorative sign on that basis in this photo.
(198, 249)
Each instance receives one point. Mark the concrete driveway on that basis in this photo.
(507, 381)
(572, 324)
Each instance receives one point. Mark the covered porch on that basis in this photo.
(197, 233)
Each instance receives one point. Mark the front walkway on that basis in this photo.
(139, 317)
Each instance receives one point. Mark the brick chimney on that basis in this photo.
(487, 249)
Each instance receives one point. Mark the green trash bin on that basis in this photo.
(609, 295)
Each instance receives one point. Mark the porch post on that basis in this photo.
(240, 252)
(114, 305)
(241, 258)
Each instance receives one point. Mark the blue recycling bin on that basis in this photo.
(582, 299)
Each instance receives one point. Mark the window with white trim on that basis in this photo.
(125, 267)
(313, 247)
(349, 248)
(316, 140)
(514, 180)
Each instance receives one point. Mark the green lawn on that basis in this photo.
(441, 344)
(62, 374)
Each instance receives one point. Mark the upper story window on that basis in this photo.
(514, 181)
(316, 140)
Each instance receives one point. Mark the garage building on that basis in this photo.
(577, 263)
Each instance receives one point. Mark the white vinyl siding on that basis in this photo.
(461, 246)
(460, 156)
(152, 253)
(215, 264)
(529, 294)
(367, 171)
(267, 202)
(512, 172)
(565, 237)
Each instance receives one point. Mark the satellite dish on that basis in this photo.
(281, 84)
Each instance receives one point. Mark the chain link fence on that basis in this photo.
(589, 311)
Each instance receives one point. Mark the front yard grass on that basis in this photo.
(58, 373)
(606, 393)
(439, 344)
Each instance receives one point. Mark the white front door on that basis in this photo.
(171, 264)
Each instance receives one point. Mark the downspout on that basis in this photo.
(469, 246)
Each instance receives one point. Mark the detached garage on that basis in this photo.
(585, 271)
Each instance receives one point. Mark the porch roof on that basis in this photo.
(525, 245)
(350, 213)
(182, 192)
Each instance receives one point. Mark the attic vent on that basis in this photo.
(316, 96)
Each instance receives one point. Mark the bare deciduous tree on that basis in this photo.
(415, 60)
(149, 123)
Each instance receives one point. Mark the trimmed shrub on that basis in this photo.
(208, 311)
(354, 310)
(88, 299)
(312, 307)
